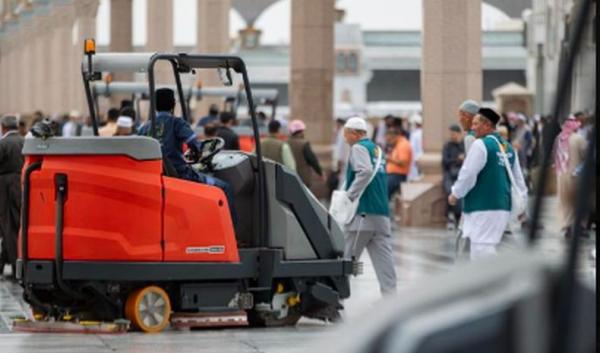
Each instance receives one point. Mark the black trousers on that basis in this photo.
(456, 210)
(10, 215)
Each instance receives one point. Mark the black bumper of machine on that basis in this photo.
(250, 266)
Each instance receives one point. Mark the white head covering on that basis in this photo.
(469, 106)
(356, 123)
(416, 119)
(124, 121)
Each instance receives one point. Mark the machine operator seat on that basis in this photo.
(139, 148)
(239, 169)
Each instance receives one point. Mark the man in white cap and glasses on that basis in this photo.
(366, 181)
(466, 112)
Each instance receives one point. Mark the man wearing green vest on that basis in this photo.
(371, 226)
(484, 184)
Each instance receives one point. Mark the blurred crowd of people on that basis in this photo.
(399, 137)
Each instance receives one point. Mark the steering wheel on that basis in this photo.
(210, 147)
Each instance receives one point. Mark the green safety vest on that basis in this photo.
(492, 189)
(374, 200)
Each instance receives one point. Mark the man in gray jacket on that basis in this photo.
(11, 162)
(370, 227)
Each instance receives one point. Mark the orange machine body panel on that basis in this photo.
(112, 212)
(247, 143)
(197, 223)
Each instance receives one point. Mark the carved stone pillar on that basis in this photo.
(213, 38)
(312, 67)
(121, 26)
(60, 58)
(25, 55)
(160, 35)
(41, 51)
(121, 39)
(85, 27)
(450, 64)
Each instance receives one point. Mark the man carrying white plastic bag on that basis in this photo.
(361, 206)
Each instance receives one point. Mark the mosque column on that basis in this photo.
(41, 49)
(450, 64)
(6, 62)
(160, 36)
(11, 63)
(121, 39)
(3, 60)
(121, 27)
(312, 67)
(17, 55)
(85, 27)
(3, 80)
(25, 58)
(60, 58)
(213, 38)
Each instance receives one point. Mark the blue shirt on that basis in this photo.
(172, 133)
(207, 120)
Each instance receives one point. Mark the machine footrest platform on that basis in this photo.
(209, 319)
(26, 325)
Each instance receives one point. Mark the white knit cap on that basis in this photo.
(469, 106)
(416, 119)
(124, 121)
(356, 123)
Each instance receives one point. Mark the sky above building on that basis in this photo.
(275, 21)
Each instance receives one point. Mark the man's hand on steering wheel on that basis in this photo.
(193, 155)
(204, 151)
(210, 147)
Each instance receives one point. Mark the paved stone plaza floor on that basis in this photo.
(419, 252)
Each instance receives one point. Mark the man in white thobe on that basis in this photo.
(484, 184)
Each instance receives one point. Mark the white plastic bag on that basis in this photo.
(517, 200)
(342, 209)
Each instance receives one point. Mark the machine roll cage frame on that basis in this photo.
(94, 64)
(138, 90)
